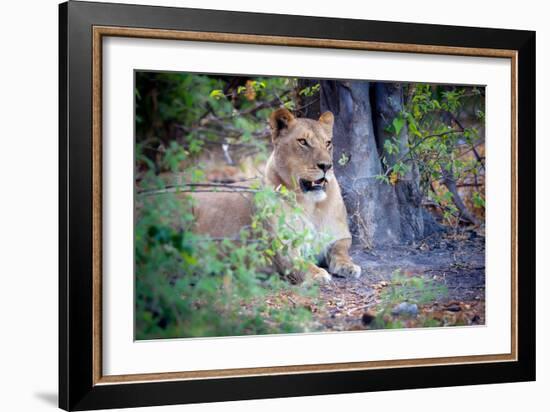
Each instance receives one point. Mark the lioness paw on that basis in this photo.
(346, 269)
(320, 275)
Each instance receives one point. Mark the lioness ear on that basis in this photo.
(280, 120)
(327, 119)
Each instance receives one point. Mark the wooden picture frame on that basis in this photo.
(81, 30)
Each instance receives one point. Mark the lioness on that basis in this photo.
(301, 161)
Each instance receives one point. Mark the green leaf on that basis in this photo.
(189, 259)
(478, 200)
(217, 94)
(413, 128)
(344, 159)
(289, 105)
(382, 178)
(398, 124)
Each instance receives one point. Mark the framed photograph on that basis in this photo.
(257, 205)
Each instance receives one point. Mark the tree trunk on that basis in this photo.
(309, 106)
(389, 101)
(380, 213)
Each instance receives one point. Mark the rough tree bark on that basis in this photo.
(380, 213)
(389, 102)
(308, 106)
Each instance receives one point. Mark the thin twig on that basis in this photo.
(415, 145)
(190, 187)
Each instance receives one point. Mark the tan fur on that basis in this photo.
(301, 147)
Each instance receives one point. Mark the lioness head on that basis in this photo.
(302, 152)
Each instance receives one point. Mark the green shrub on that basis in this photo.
(189, 285)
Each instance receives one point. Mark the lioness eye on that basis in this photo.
(329, 143)
(303, 142)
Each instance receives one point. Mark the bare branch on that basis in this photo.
(416, 144)
(191, 188)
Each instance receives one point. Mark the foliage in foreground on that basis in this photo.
(188, 285)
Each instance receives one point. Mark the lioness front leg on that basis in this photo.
(339, 261)
(318, 275)
(284, 264)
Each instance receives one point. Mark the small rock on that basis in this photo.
(405, 308)
(367, 317)
(454, 307)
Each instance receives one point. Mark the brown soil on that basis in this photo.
(454, 264)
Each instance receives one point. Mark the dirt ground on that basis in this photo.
(437, 282)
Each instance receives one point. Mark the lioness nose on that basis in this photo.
(324, 166)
